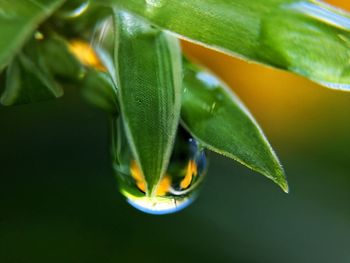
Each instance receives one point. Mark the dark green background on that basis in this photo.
(59, 200)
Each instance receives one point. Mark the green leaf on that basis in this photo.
(220, 122)
(149, 81)
(99, 90)
(58, 59)
(52, 55)
(43, 60)
(309, 38)
(18, 20)
(26, 83)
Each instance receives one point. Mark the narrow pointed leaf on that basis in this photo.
(56, 58)
(26, 83)
(309, 38)
(33, 74)
(52, 55)
(18, 20)
(216, 117)
(149, 82)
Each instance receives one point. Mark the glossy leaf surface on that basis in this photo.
(218, 120)
(309, 38)
(149, 81)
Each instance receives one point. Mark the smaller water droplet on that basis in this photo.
(73, 9)
(176, 189)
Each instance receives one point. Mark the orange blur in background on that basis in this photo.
(288, 107)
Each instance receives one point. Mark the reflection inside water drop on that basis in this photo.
(176, 189)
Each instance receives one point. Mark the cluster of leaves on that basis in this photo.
(141, 76)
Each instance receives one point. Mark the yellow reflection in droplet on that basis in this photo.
(163, 186)
(137, 175)
(85, 54)
(190, 172)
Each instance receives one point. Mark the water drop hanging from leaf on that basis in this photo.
(176, 189)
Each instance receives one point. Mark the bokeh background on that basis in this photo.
(59, 200)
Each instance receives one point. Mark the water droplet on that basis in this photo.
(177, 188)
(73, 9)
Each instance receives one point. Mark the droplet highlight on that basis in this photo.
(75, 9)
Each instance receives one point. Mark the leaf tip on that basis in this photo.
(284, 185)
(281, 181)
